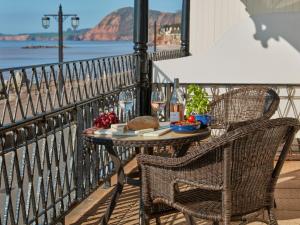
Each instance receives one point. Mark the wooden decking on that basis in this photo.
(126, 212)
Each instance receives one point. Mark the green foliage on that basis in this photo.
(197, 100)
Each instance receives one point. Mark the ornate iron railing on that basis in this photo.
(289, 101)
(28, 92)
(44, 167)
(164, 55)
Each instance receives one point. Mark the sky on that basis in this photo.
(24, 16)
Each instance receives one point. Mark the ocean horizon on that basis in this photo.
(13, 53)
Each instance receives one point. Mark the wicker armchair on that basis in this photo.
(242, 104)
(230, 178)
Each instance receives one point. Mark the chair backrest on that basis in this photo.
(252, 176)
(243, 104)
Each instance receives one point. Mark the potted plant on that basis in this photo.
(197, 104)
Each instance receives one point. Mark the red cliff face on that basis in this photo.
(107, 29)
(118, 25)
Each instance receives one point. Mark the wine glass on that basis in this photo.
(125, 102)
(158, 101)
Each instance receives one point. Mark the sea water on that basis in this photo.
(13, 53)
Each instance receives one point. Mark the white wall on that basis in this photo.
(263, 49)
(211, 19)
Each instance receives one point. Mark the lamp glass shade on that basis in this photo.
(75, 22)
(46, 22)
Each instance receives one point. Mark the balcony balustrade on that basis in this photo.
(45, 168)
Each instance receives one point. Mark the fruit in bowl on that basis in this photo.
(192, 119)
(105, 120)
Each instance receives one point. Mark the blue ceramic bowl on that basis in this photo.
(203, 119)
(185, 128)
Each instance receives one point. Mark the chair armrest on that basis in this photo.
(198, 152)
(158, 161)
(237, 125)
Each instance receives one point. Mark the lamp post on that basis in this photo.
(60, 18)
(155, 36)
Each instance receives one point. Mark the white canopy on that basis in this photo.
(262, 49)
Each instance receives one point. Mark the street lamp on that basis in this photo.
(60, 18)
(46, 22)
(75, 22)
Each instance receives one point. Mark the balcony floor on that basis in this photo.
(126, 212)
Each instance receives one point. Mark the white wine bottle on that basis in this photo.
(176, 104)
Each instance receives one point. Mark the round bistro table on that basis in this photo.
(179, 141)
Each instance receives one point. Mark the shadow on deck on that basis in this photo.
(127, 210)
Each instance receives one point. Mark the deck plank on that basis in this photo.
(127, 211)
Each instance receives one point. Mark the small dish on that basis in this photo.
(185, 128)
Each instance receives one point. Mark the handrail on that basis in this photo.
(62, 63)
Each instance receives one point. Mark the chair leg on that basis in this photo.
(272, 217)
(157, 220)
(189, 220)
(143, 217)
(144, 220)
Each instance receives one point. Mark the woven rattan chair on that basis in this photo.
(246, 103)
(230, 178)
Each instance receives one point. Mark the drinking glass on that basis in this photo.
(125, 102)
(158, 102)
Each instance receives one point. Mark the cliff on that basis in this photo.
(69, 34)
(21, 37)
(118, 25)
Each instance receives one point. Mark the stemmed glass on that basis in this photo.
(158, 101)
(125, 102)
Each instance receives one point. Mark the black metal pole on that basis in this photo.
(60, 35)
(60, 51)
(155, 36)
(140, 38)
(185, 27)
